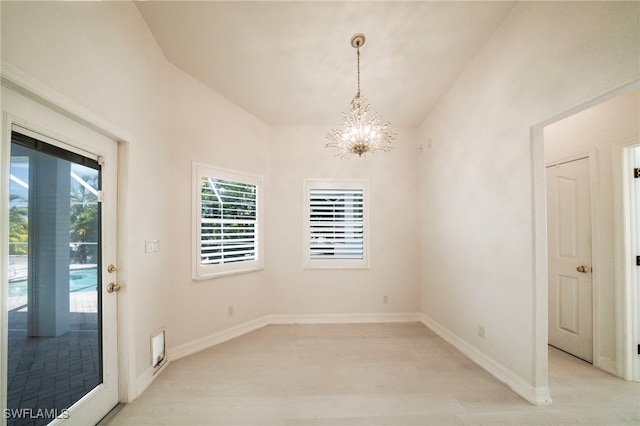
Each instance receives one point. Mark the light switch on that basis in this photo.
(151, 246)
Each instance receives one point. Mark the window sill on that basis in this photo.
(224, 274)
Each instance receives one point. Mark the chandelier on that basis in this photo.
(360, 132)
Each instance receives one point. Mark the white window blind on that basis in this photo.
(336, 223)
(336, 227)
(226, 222)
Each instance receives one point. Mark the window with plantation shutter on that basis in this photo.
(336, 228)
(226, 222)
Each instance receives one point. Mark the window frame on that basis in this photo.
(335, 184)
(204, 272)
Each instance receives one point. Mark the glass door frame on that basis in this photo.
(9, 121)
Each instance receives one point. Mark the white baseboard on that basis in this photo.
(236, 331)
(344, 318)
(534, 395)
(609, 365)
(216, 338)
(143, 381)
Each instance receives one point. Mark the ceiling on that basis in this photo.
(292, 62)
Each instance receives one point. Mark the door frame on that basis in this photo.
(539, 248)
(594, 184)
(627, 222)
(34, 90)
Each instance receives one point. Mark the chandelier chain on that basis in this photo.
(358, 55)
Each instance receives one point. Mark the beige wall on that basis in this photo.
(476, 180)
(299, 154)
(597, 130)
(472, 209)
(173, 120)
(208, 129)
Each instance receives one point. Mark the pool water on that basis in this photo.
(79, 280)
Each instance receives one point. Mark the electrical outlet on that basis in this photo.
(230, 311)
(385, 299)
(481, 332)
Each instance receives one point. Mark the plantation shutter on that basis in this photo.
(336, 224)
(228, 223)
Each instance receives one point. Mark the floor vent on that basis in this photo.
(158, 352)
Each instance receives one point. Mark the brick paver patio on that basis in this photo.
(52, 373)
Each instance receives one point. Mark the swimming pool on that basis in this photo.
(79, 280)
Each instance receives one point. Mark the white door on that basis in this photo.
(570, 278)
(61, 351)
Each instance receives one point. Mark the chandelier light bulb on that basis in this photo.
(360, 133)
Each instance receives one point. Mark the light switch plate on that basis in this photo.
(151, 246)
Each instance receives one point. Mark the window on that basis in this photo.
(226, 222)
(336, 224)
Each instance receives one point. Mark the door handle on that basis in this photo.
(113, 287)
(583, 269)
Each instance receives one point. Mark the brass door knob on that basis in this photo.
(113, 287)
(583, 269)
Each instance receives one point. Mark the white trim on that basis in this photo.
(626, 272)
(569, 159)
(144, 380)
(216, 338)
(200, 272)
(345, 318)
(4, 253)
(34, 89)
(126, 308)
(534, 395)
(607, 364)
(540, 258)
(596, 261)
(249, 326)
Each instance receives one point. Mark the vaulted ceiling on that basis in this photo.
(292, 62)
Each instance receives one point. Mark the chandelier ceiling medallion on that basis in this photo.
(360, 132)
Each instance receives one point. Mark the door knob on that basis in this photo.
(113, 287)
(583, 269)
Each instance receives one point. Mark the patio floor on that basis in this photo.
(52, 373)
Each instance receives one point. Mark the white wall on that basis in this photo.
(211, 130)
(299, 153)
(598, 129)
(476, 179)
(103, 57)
